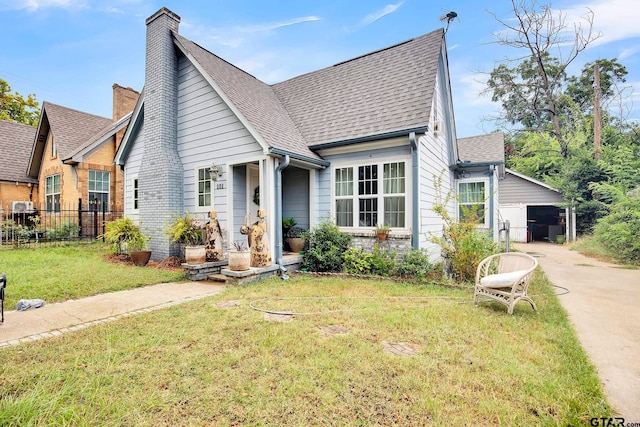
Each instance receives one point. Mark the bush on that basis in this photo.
(380, 262)
(64, 230)
(619, 231)
(357, 261)
(383, 262)
(463, 244)
(327, 244)
(415, 263)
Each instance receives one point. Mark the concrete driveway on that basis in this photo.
(604, 307)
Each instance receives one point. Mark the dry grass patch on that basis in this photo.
(202, 364)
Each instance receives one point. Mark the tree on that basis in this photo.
(531, 91)
(16, 108)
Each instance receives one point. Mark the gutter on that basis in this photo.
(491, 198)
(369, 138)
(283, 164)
(280, 152)
(415, 220)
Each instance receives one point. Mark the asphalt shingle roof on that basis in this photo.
(15, 147)
(72, 129)
(383, 91)
(386, 90)
(482, 148)
(256, 100)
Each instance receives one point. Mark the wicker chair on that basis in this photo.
(505, 278)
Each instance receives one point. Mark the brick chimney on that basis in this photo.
(124, 101)
(160, 176)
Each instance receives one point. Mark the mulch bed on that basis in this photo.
(170, 263)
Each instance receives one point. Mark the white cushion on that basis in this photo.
(502, 280)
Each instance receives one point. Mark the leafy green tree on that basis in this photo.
(16, 108)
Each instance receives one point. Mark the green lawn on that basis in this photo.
(199, 364)
(56, 274)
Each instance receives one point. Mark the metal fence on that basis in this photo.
(35, 226)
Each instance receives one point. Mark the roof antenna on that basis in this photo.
(450, 16)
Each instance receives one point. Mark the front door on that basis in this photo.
(253, 191)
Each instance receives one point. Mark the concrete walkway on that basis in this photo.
(57, 318)
(603, 307)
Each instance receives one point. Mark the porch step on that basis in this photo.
(217, 277)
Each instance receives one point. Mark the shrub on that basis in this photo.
(415, 263)
(327, 244)
(383, 261)
(357, 261)
(619, 231)
(463, 244)
(183, 230)
(64, 230)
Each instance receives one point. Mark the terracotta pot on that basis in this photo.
(296, 244)
(382, 235)
(140, 258)
(239, 261)
(195, 254)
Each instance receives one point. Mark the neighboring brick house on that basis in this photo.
(363, 142)
(16, 186)
(72, 155)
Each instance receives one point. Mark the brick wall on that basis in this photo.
(160, 177)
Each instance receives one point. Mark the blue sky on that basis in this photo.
(70, 52)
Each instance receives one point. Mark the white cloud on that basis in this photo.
(234, 37)
(270, 27)
(615, 19)
(373, 17)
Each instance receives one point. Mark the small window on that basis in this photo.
(52, 193)
(205, 186)
(99, 189)
(471, 201)
(135, 194)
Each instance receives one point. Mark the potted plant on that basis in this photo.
(185, 232)
(125, 236)
(382, 231)
(239, 257)
(287, 224)
(296, 239)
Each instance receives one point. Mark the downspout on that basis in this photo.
(492, 169)
(283, 164)
(415, 220)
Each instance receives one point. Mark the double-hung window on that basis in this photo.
(472, 201)
(52, 193)
(99, 189)
(205, 188)
(371, 194)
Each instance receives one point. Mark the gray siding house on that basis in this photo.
(362, 142)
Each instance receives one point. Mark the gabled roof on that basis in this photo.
(255, 101)
(15, 143)
(487, 148)
(71, 130)
(378, 93)
(97, 140)
(532, 180)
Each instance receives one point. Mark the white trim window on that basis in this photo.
(473, 202)
(371, 194)
(204, 188)
(52, 193)
(135, 193)
(99, 185)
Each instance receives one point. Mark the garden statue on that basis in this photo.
(213, 238)
(259, 242)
